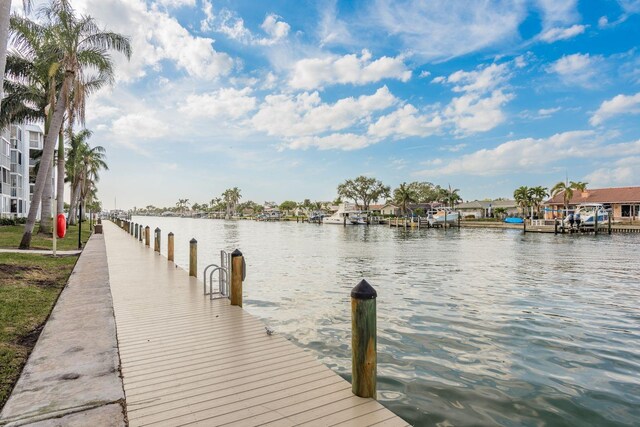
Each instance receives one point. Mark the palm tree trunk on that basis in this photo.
(47, 158)
(45, 211)
(60, 183)
(73, 206)
(5, 14)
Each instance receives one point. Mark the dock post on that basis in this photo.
(156, 240)
(609, 226)
(555, 226)
(170, 256)
(237, 275)
(140, 230)
(131, 228)
(459, 219)
(147, 236)
(595, 223)
(363, 340)
(344, 221)
(524, 224)
(193, 258)
(418, 222)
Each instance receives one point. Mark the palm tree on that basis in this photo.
(84, 164)
(403, 195)
(567, 193)
(449, 196)
(83, 47)
(537, 195)
(522, 195)
(578, 185)
(5, 17)
(231, 197)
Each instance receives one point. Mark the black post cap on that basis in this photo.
(363, 290)
(157, 229)
(236, 253)
(192, 241)
(170, 233)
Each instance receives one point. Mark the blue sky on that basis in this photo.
(286, 99)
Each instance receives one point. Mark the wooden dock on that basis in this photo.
(187, 360)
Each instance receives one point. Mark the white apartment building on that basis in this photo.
(18, 144)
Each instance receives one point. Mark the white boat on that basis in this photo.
(441, 216)
(347, 213)
(588, 212)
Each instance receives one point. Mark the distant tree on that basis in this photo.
(363, 189)
(537, 195)
(403, 195)
(500, 212)
(287, 206)
(424, 192)
(449, 196)
(231, 197)
(578, 185)
(565, 190)
(522, 196)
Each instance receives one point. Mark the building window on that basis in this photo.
(630, 210)
(34, 139)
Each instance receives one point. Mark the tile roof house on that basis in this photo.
(624, 202)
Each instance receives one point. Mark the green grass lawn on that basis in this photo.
(29, 287)
(10, 236)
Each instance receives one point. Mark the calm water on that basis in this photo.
(475, 327)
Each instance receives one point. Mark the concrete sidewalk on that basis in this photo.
(72, 377)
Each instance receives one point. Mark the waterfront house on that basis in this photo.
(485, 208)
(623, 202)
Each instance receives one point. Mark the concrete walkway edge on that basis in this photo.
(72, 377)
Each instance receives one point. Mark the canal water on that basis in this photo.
(475, 326)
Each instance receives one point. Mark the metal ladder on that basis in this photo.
(224, 277)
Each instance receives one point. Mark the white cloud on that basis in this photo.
(554, 34)
(139, 126)
(305, 115)
(275, 29)
(619, 104)
(622, 172)
(472, 114)
(558, 12)
(546, 112)
(405, 122)
(630, 6)
(534, 154)
(336, 141)
(156, 37)
(226, 102)
(231, 25)
(426, 28)
(439, 79)
(482, 79)
(331, 29)
(314, 73)
(453, 148)
(177, 3)
(578, 69)
(424, 74)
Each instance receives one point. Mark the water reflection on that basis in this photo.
(475, 326)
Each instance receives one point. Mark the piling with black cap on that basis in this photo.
(135, 230)
(237, 275)
(147, 236)
(170, 244)
(193, 258)
(156, 240)
(363, 340)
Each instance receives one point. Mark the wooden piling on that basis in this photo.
(140, 230)
(555, 226)
(363, 340)
(135, 230)
(170, 255)
(147, 236)
(595, 223)
(524, 224)
(459, 219)
(156, 240)
(193, 258)
(237, 275)
(609, 226)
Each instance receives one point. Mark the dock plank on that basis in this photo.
(189, 360)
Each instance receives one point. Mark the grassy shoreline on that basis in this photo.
(10, 236)
(30, 285)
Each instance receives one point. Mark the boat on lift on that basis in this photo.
(588, 213)
(441, 216)
(347, 213)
